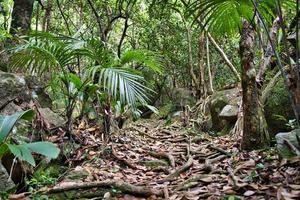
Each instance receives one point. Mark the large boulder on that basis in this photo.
(17, 89)
(218, 101)
(182, 96)
(5, 182)
(278, 109)
(229, 113)
(288, 141)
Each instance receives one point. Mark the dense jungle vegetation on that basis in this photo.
(149, 99)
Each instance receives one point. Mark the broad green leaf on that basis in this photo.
(47, 149)
(22, 153)
(73, 78)
(8, 122)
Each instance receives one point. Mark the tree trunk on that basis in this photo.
(210, 87)
(202, 85)
(255, 135)
(21, 16)
(269, 51)
(47, 16)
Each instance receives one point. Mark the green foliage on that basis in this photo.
(23, 151)
(213, 13)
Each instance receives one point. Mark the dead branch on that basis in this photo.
(120, 185)
(165, 155)
(126, 162)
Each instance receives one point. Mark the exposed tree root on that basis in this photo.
(180, 170)
(193, 181)
(143, 133)
(220, 150)
(119, 185)
(126, 162)
(165, 155)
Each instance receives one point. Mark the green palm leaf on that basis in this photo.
(225, 16)
(123, 84)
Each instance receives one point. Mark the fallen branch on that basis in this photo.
(162, 154)
(126, 162)
(119, 185)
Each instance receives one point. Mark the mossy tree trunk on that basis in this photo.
(255, 134)
(21, 15)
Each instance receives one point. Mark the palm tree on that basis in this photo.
(45, 53)
(240, 16)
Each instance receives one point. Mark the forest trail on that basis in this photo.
(160, 161)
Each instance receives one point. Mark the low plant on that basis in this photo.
(24, 150)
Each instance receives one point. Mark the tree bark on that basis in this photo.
(210, 87)
(47, 16)
(269, 52)
(255, 135)
(21, 16)
(202, 85)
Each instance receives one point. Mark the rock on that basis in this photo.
(12, 88)
(283, 148)
(218, 101)
(17, 89)
(229, 113)
(52, 118)
(181, 97)
(5, 182)
(278, 109)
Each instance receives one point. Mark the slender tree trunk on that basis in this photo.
(269, 52)
(190, 59)
(255, 134)
(47, 16)
(210, 85)
(202, 84)
(21, 16)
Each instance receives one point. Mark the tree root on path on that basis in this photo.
(126, 162)
(193, 181)
(124, 187)
(165, 155)
(177, 172)
(219, 150)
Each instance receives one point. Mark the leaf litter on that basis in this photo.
(150, 160)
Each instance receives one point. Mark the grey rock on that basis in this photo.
(16, 89)
(52, 118)
(283, 148)
(218, 101)
(5, 182)
(229, 112)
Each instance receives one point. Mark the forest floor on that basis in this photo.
(159, 161)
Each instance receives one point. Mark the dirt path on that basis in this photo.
(157, 161)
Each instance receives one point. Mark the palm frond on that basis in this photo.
(124, 85)
(225, 16)
(40, 56)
